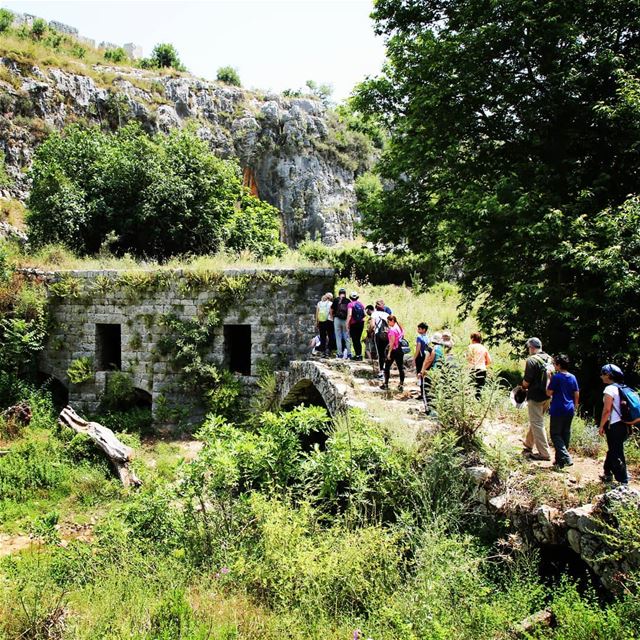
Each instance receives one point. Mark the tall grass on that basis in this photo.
(440, 307)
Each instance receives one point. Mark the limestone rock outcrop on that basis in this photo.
(292, 148)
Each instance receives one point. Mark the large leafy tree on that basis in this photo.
(158, 196)
(515, 139)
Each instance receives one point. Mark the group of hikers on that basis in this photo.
(343, 323)
(548, 386)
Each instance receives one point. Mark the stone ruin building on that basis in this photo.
(126, 321)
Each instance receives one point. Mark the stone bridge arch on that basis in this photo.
(312, 383)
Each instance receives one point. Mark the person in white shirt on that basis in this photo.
(612, 426)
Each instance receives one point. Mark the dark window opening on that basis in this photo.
(108, 347)
(237, 348)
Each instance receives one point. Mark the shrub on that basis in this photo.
(6, 20)
(294, 564)
(364, 264)
(229, 75)
(80, 370)
(119, 393)
(454, 400)
(585, 439)
(165, 55)
(135, 420)
(30, 465)
(90, 185)
(38, 28)
(116, 55)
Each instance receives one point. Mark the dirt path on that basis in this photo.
(403, 411)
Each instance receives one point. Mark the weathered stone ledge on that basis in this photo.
(579, 528)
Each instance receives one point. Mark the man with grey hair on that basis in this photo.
(536, 378)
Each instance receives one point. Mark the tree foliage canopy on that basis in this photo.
(164, 55)
(229, 75)
(515, 137)
(158, 196)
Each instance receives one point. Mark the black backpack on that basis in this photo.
(342, 308)
(382, 330)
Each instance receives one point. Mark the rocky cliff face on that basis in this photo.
(292, 150)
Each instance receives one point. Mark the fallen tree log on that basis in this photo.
(117, 452)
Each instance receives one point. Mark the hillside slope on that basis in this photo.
(293, 151)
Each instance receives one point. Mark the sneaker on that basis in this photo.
(380, 376)
(384, 386)
(357, 358)
(526, 451)
(606, 477)
(338, 356)
(400, 388)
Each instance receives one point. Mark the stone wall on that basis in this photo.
(27, 19)
(276, 306)
(582, 529)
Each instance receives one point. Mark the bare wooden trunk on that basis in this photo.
(119, 454)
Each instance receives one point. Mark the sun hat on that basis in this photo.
(436, 338)
(447, 340)
(354, 295)
(535, 343)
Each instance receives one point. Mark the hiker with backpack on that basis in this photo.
(394, 352)
(614, 422)
(380, 328)
(323, 324)
(565, 396)
(537, 372)
(355, 323)
(434, 359)
(339, 312)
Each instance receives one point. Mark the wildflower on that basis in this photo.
(356, 634)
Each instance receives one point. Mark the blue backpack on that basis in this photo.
(357, 313)
(629, 404)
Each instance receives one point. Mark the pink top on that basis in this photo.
(395, 334)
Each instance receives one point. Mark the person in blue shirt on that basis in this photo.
(565, 396)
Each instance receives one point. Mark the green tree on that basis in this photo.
(165, 55)
(89, 185)
(229, 75)
(6, 20)
(38, 28)
(513, 127)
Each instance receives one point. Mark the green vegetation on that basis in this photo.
(228, 75)
(116, 55)
(512, 129)
(6, 19)
(163, 56)
(290, 521)
(80, 371)
(89, 185)
(364, 264)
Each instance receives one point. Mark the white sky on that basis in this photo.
(274, 44)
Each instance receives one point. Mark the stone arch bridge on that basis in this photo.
(317, 383)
